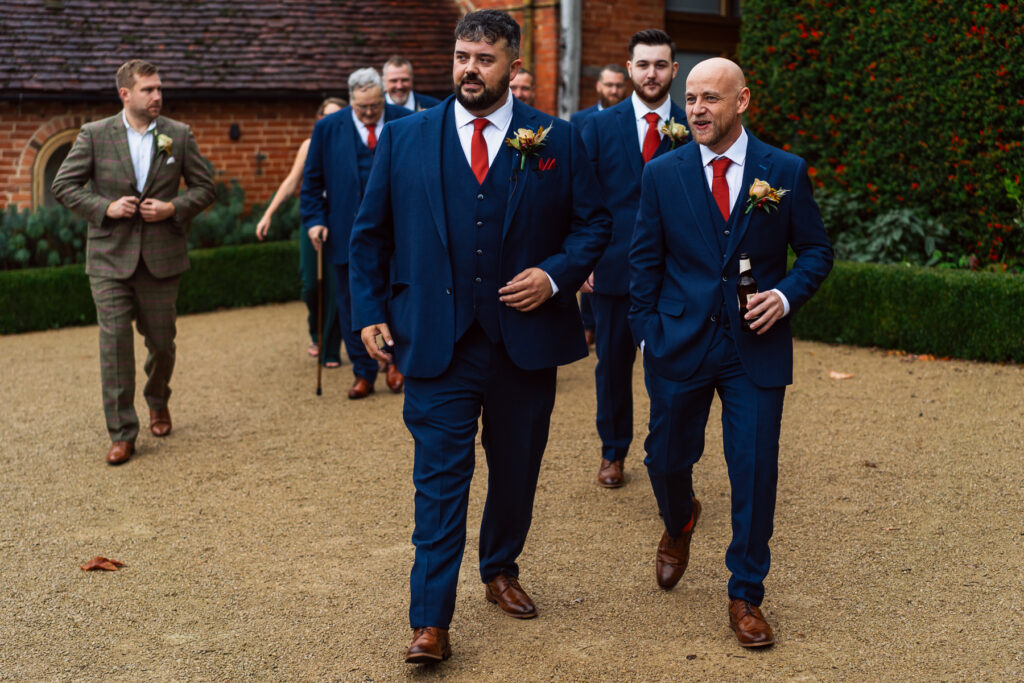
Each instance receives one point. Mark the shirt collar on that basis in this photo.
(362, 126)
(149, 128)
(737, 152)
(640, 109)
(500, 118)
(410, 101)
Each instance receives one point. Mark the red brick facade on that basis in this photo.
(273, 130)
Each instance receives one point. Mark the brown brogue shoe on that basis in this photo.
(752, 630)
(120, 452)
(361, 389)
(610, 474)
(394, 378)
(160, 422)
(429, 644)
(505, 592)
(674, 553)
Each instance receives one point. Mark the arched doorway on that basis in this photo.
(48, 160)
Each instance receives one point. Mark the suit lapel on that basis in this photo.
(345, 145)
(432, 125)
(627, 128)
(666, 142)
(119, 135)
(155, 159)
(757, 165)
(520, 119)
(694, 183)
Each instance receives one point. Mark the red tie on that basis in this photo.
(371, 137)
(478, 150)
(719, 185)
(652, 139)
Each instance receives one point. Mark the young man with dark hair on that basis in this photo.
(620, 140)
(122, 176)
(465, 259)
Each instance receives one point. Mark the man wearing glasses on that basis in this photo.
(337, 168)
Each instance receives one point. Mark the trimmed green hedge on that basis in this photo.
(921, 310)
(45, 298)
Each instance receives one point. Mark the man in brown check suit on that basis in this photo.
(134, 163)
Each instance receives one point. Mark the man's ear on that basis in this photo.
(516, 65)
(743, 100)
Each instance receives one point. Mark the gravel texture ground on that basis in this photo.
(268, 536)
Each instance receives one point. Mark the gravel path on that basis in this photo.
(268, 536)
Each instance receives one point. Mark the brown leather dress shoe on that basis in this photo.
(429, 644)
(120, 452)
(610, 475)
(506, 593)
(749, 624)
(589, 336)
(361, 389)
(674, 553)
(394, 378)
(160, 422)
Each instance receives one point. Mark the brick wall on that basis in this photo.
(607, 28)
(273, 129)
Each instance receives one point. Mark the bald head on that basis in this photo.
(716, 97)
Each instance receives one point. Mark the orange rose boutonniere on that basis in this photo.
(528, 142)
(764, 196)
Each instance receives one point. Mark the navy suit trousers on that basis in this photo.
(441, 413)
(613, 375)
(751, 421)
(362, 364)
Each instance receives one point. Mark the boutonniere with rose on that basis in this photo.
(764, 196)
(163, 143)
(676, 132)
(528, 143)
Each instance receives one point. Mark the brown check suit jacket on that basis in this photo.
(100, 157)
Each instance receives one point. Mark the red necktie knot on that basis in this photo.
(651, 139)
(478, 150)
(371, 137)
(719, 185)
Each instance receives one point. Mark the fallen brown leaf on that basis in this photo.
(868, 463)
(839, 375)
(103, 563)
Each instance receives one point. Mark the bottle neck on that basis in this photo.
(744, 265)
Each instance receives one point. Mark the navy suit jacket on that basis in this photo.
(580, 117)
(331, 186)
(554, 220)
(678, 277)
(614, 148)
(425, 101)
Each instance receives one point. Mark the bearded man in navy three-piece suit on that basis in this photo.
(699, 210)
(486, 245)
(620, 140)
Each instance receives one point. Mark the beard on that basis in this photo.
(642, 94)
(609, 101)
(486, 98)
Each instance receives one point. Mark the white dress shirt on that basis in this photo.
(364, 132)
(494, 135)
(410, 101)
(140, 147)
(640, 110)
(737, 154)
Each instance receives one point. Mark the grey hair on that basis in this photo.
(361, 79)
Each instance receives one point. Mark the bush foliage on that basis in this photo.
(44, 298)
(54, 236)
(913, 106)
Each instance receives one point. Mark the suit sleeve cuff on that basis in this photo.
(554, 287)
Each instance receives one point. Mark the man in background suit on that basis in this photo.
(136, 251)
(337, 168)
(611, 89)
(465, 260)
(697, 215)
(620, 140)
(397, 76)
(522, 87)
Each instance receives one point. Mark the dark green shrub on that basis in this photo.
(913, 105)
(44, 298)
(922, 310)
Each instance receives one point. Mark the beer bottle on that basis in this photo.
(746, 287)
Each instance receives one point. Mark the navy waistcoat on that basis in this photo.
(364, 160)
(475, 214)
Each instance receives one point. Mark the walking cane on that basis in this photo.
(319, 318)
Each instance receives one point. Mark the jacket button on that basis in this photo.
(714, 318)
(479, 224)
(477, 280)
(726, 232)
(479, 252)
(480, 196)
(725, 278)
(447, 290)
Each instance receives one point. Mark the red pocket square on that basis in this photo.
(545, 164)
